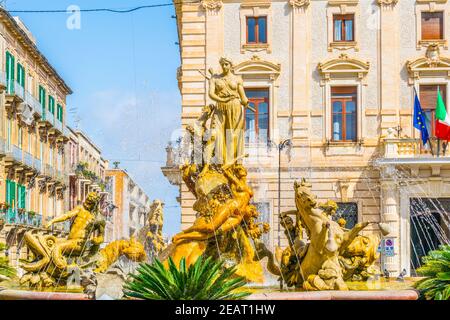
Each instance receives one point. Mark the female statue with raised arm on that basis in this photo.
(228, 91)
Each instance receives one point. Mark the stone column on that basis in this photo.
(390, 214)
(389, 64)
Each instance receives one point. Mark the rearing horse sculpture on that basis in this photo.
(317, 264)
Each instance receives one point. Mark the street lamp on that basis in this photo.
(281, 146)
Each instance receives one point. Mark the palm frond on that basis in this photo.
(436, 269)
(206, 279)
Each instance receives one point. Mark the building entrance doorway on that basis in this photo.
(429, 227)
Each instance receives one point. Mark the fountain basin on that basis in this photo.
(10, 294)
(338, 295)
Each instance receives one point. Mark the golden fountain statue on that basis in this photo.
(151, 234)
(331, 254)
(226, 221)
(51, 254)
(131, 249)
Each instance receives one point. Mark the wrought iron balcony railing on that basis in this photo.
(14, 152)
(38, 165)
(2, 146)
(14, 217)
(33, 103)
(28, 159)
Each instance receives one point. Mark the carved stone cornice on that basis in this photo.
(42, 184)
(212, 5)
(432, 62)
(43, 131)
(299, 3)
(343, 64)
(387, 3)
(51, 188)
(60, 192)
(32, 180)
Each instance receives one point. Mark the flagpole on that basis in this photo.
(438, 140)
(429, 140)
(431, 147)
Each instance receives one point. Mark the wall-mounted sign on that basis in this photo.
(386, 247)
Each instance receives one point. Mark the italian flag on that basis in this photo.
(442, 119)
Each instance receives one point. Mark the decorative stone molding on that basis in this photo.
(60, 192)
(42, 184)
(429, 1)
(255, 9)
(344, 184)
(51, 189)
(342, 7)
(211, 6)
(337, 67)
(259, 73)
(256, 66)
(299, 3)
(387, 2)
(431, 63)
(343, 71)
(431, 6)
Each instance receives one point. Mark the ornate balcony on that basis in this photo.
(17, 218)
(410, 153)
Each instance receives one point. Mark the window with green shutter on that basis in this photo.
(10, 67)
(11, 193)
(59, 113)
(21, 196)
(42, 96)
(21, 75)
(51, 104)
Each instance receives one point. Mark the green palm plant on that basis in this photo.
(5, 269)
(206, 279)
(436, 269)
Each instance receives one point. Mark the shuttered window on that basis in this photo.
(51, 104)
(21, 75)
(59, 112)
(10, 67)
(42, 98)
(11, 193)
(21, 196)
(432, 25)
(428, 97)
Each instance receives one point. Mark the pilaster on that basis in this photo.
(300, 76)
(389, 65)
(390, 214)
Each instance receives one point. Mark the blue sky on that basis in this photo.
(122, 69)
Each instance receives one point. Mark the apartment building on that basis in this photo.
(87, 170)
(33, 135)
(336, 79)
(132, 204)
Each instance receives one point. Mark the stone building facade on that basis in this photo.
(33, 137)
(87, 170)
(338, 79)
(131, 201)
